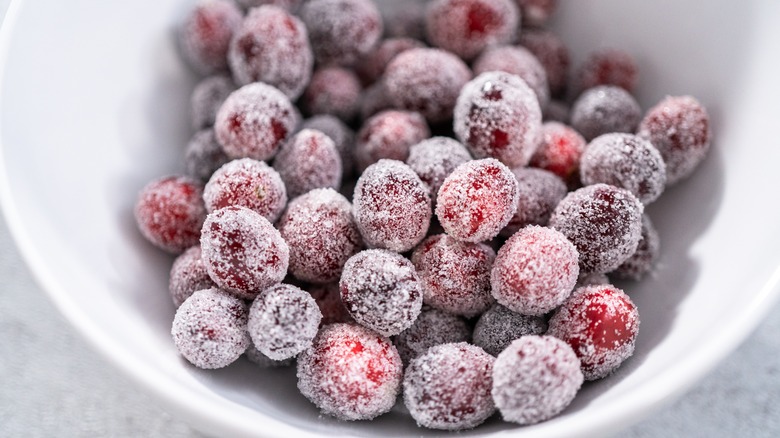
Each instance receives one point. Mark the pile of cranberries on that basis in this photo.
(425, 203)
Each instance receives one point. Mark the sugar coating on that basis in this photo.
(552, 53)
(627, 161)
(256, 357)
(518, 61)
(169, 212)
(603, 110)
(389, 134)
(434, 159)
(328, 298)
(350, 372)
(242, 251)
(427, 81)
(374, 100)
(319, 229)
(535, 271)
(373, 65)
(289, 5)
(467, 27)
(591, 279)
(497, 115)
(307, 161)
(206, 98)
(341, 134)
(646, 255)
(535, 378)
(382, 291)
(254, 121)
(604, 222)
(341, 31)
(539, 192)
(477, 200)
(601, 324)
(209, 329)
(247, 183)
(455, 275)
(272, 46)
(448, 387)
(283, 321)
(679, 127)
(188, 274)
(559, 151)
(608, 66)
(391, 206)
(433, 327)
(499, 326)
(204, 155)
(205, 35)
(535, 13)
(333, 90)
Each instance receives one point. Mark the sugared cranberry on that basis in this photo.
(389, 134)
(204, 155)
(209, 329)
(679, 127)
(335, 91)
(205, 35)
(455, 275)
(518, 61)
(433, 327)
(535, 13)
(604, 222)
(427, 81)
(391, 206)
(256, 357)
(309, 160)
(603, 110)
(283, 321)
(552, 53)
(539, 192)
(254, 121)
(497, 115)
(600, 323)
(467, 27)
(341, 31)
(242, 251)
(643, 259)
(535, 271)
(206, 98)
(328, 298)
(188, 274)
(350, 372)
(321, 233)
(627, 161)
(170, 211)
(272, 46)
(448, 387)
(382, 291)
(535, 378)
(247, 183)
(373, 65)
(434, 159)
(499, 326)
(477, 200)
(342, 135)
(607, 67)
(290, 5)
(559, 151)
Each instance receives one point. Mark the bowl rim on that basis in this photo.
(182, 400)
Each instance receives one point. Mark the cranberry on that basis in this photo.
(207, 96)
(335, 91)
(434, 159)
(373, 65)
(205, 35)
(188, 274)
(341, 31)
(342, 135)
(518, 61)
(539, 193)
(433, 327)
(603, 110)
(536, 12)
(309, 160)
(552, 53)
(204, 155)
(607, 67)
(389, 134)
(643, 259)
(247, 183)
(499, 326)
(559, 151)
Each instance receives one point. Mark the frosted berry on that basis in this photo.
(434, 159)
(381, 290)
(603, 110)
(207, 96)
(497, 115)
(552, 53)
(455, 275)
(448, 387)
(205, 35)
(600, 323)
(433, 327)
(341, 31)
(535, 379)
(350, 372)
(518, 61)
(389, 134)
(536, 12)
(607, 67)
(342, 135)
(247, 183)
(333, 90)
(477, 200)
(373, 65)
(308, 161)
(170, 211)
(188, 274)
(209, 329)
(646, 255)
(242, 251)
(328, 298)
(391, 206)
(539, 192)
(559, 151)
(499, 326)
(204, 155)
(535, 271)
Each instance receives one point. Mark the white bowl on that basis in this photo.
(94, 105)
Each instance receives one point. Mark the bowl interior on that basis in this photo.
(94, 105)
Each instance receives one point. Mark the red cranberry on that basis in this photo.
(559, 151)
(448, 387)
(389, 134)
(604, 110)
(350, 372)
(433, 327)
(308, 161)
(341, 31)
(207, 96)
(328, 298)
(170, 211)
(518, 61)
(434, 160)
(607, 67)
(499, 326)
(466, 27)
(188, 274)
(204, 155)
(679, 127)
(535, 13)
(647, 252)
(477, 200)
(205, 35)
(247, 183)
(535, 378)
(373, 65)
(552, 53)
(342, 135)
(539, 192)
(600, 323)
(333, 90)
(498, 116)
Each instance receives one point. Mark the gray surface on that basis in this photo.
(54, 384)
